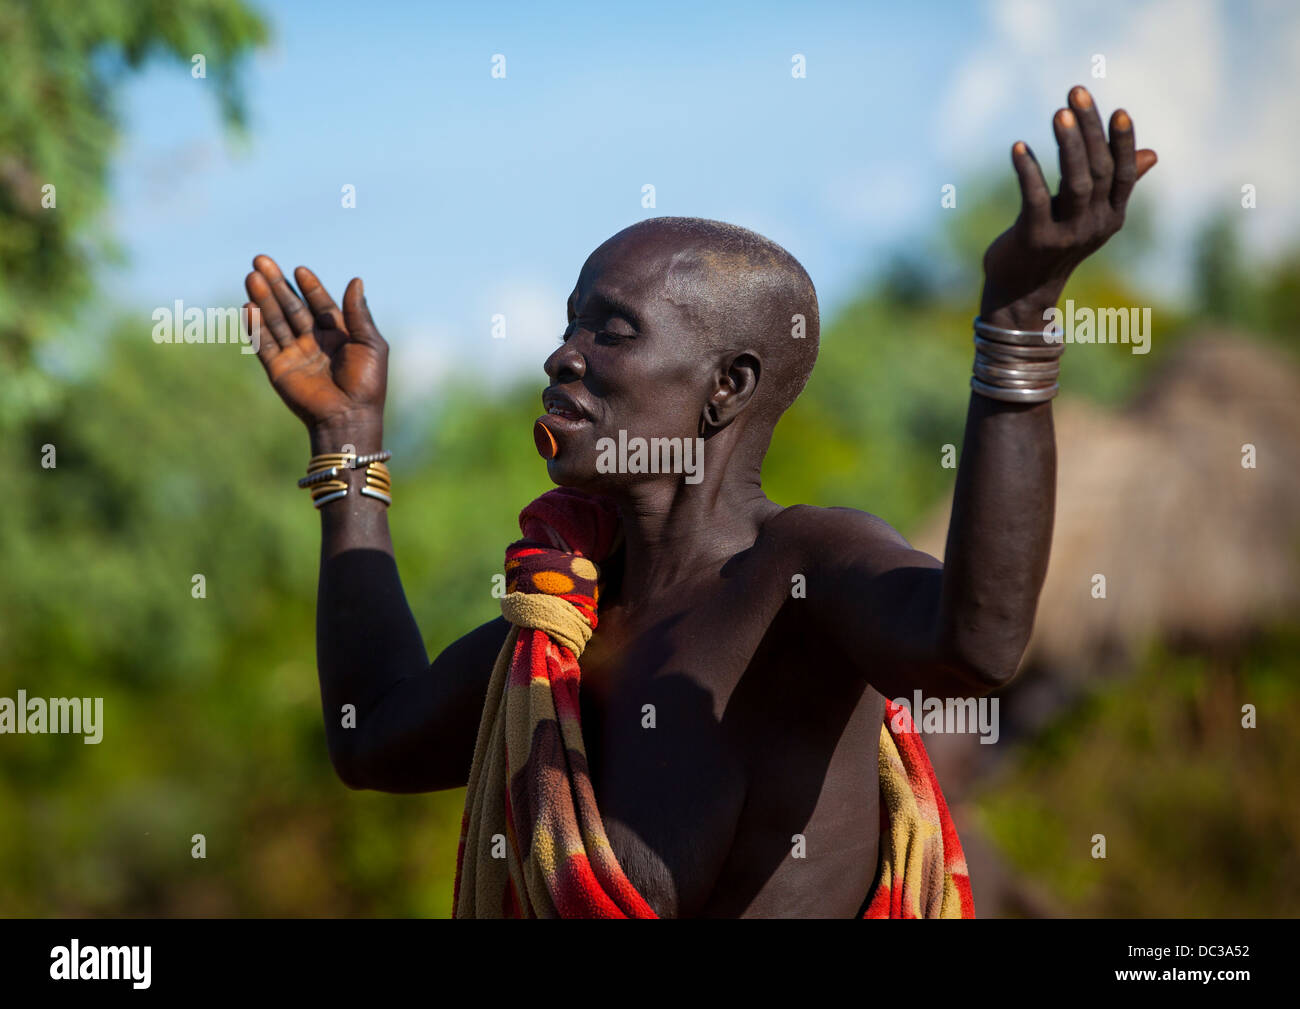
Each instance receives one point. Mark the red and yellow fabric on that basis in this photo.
(532, 844)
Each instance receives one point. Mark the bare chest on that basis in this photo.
(711, 746)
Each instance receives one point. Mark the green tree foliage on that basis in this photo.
(1234, 291)
(1221, 283)
(63, 60)
(175, 461)
(1198, 812)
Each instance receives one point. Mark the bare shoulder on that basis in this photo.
(836, 537)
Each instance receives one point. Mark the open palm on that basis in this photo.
(327, 364)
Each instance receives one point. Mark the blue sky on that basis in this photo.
(478, 196)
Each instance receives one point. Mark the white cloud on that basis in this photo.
(1211, 88)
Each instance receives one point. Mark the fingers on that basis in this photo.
(1146, 160)
(356, 314)
(282, 314)
(256, 330)
(1036, 199)
(1100, 164)
(318, 299)
(298, 315)
(1076, 175)
(1130, 165)
(273, 320)
(1121, 148)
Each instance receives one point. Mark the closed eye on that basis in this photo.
(601, 335)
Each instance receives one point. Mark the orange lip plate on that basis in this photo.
(545, 441)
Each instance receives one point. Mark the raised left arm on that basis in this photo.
(962, 628)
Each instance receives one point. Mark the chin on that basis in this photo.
(572, 473)
(574, 465)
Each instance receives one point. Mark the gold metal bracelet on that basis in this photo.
(326, 482)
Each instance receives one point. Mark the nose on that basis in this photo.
(566, 363)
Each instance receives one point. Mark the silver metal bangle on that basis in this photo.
(1021, 369)
(1019, 337)
(1035, 395)
(314, 478)
(1004, 382)
(1015, 352)
(979, 323)
(997, 376)
(380, 495)
(1015, 383)
(1011, 377)
(330, 497)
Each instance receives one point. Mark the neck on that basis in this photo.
(674, 531)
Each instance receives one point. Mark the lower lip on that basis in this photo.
(548, 427)
(557, 423)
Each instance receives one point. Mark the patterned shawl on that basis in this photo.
(532, 843)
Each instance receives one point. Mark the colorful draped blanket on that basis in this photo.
(532, 844)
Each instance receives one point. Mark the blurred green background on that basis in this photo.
(178, 460)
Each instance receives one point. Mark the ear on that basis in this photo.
(734, 388)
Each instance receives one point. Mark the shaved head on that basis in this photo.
(743, 292)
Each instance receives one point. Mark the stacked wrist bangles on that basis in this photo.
(325, 476)
(1016, 365)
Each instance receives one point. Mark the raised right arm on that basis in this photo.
(415, 724)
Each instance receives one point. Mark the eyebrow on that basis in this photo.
(616, 305)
